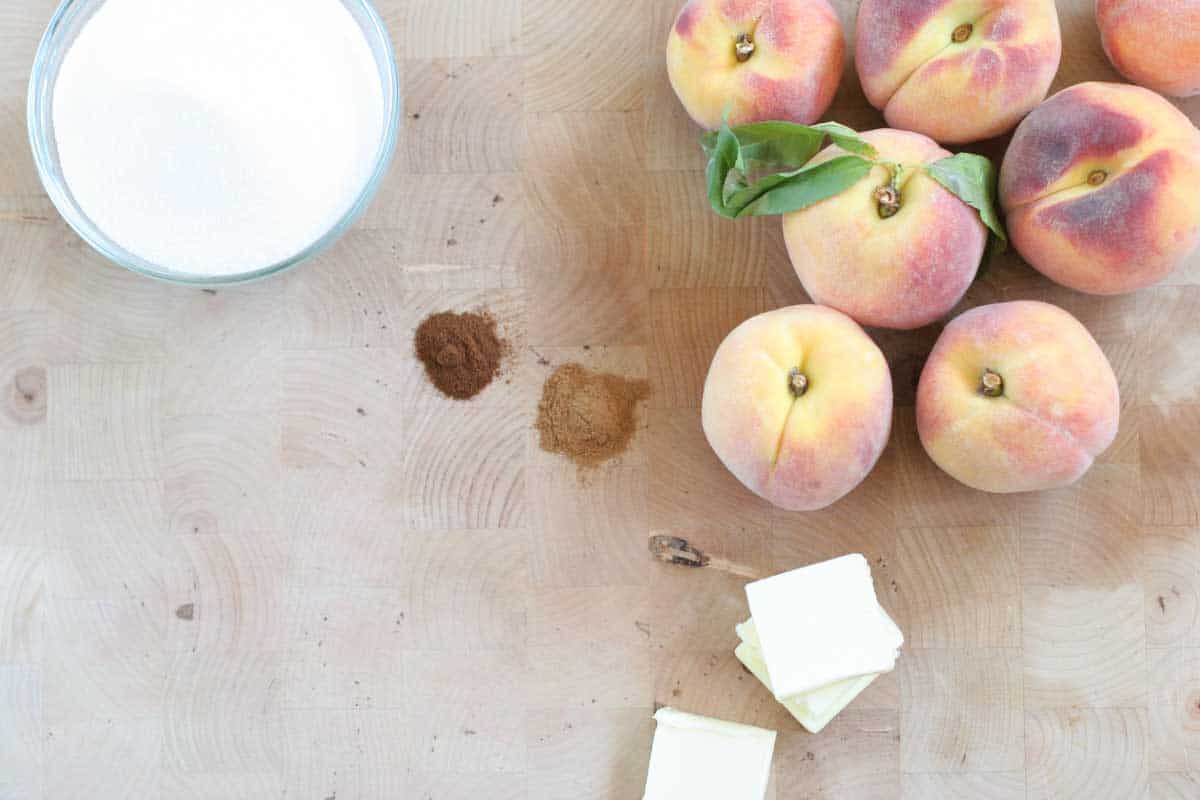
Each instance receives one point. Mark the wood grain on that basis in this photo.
(246, 551)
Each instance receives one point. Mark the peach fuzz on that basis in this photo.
(1100, 188)
(902, 271)
(1153, 42)
(761, 59)
(956, 70)
(1016, 397)
(798, 405)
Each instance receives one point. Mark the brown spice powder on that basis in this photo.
(462, 353)
(588, 417)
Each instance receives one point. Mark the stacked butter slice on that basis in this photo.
(817, 637)
(699, 758)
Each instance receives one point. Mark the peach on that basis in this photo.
(798, 405)
(1099, 186)
(1016, 397)
(1153, 42)
(760, 59)
(900, 271)
(956, 70)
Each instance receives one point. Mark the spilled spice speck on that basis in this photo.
(589, 417)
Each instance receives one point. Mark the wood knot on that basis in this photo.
(674, 550)
(27, 395)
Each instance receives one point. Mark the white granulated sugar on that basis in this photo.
(215, 137)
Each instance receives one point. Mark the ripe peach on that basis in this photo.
(900, 271)
(798, 405)
(1016, 397)
(1153, 42)
(956, 70)
(761, 59)
(1099, 185)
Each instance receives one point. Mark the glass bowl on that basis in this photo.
(66, 24)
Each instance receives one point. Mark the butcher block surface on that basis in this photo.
(248, 551)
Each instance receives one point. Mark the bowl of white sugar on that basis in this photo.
(213, 141)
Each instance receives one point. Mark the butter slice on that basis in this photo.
(822, 624)
(699, 758)
(813, 710)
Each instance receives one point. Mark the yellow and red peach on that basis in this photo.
(758, 59)
(1016, 397)
(902, 270)
(1099, 186)
(956, 70)
(798, 405)
(1153, 42)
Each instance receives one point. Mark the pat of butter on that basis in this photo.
(698, 758)
(814, 710)
(822, 624)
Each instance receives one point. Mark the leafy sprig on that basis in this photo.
(762, 169)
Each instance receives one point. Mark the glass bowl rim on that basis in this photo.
(87, 230)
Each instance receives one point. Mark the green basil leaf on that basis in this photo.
(807, 186)
(972, 178)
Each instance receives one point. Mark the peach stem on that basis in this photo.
(797, 382)
(887, 197)
(743, 48)
(991, 384)
(962, 33)
(889, 201)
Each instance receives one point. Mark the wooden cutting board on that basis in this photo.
(247, 552)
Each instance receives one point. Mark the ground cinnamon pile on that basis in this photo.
(587, 416)
(462, 353)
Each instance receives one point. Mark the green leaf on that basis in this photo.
(744, 194)
(772, 142)
(738, 156)
(847, 139)
(972, 178)
(723, 157)
(787, 143)
(808, 186)
(784, 143)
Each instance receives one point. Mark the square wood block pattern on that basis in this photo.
(246, 551)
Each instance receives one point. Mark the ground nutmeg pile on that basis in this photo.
(462, 353)
(588, 417)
